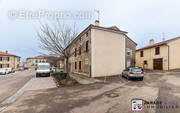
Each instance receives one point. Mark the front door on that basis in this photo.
(158, 64)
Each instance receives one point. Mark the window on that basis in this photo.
(157, 50)
(5, 58)
(80, 65)
(86, 46)
(75, 52)
(80, 50)
(87, 34)
(129, 53)
(145, 62)
(5, 65)
(142, 54)
(75, 65)
(0, 58)
(0, 65)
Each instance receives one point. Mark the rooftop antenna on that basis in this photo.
(163, 34)
(98, 12)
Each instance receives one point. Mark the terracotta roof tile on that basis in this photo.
(6, 54)
(158, 44)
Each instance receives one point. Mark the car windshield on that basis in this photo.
(136, 69)
(43, 67)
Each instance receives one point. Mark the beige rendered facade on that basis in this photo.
(9, 60)
(161, 56)
(33, 61)
(97, 52)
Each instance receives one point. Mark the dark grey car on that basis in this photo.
(133, 72)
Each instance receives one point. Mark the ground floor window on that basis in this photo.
(75, 65)
(80, 65)
(5, 65)
(145, 62)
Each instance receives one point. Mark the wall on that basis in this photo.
(130, 46)
(13, 62)
(108, 53)
(84, 57)
(174, 54)
(149, 55)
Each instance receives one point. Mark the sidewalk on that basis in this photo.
(84, 80)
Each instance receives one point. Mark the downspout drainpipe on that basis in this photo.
(168, 55)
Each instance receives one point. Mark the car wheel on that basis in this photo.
(141, 78)
(128, 77)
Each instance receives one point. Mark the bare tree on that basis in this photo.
(54, 39)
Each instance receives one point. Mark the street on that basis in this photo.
(10, 83)
(114, 96)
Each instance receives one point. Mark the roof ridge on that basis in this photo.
(158, 43)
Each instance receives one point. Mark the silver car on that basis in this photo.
(133, 72)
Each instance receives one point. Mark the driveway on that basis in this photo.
(114, 96)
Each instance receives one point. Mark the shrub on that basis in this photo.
(60, 75)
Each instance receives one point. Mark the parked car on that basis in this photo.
(13, 70)
(21, 68)
(3, 71)
(53, 69)
(59, 70)
(10, 70)
(133, 72)
(43, 69)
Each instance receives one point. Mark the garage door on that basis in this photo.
(158, 64)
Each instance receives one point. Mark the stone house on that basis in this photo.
(8, 60)
(130, 52)
(97, 52)
(160, 56)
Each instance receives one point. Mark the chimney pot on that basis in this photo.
(97, 22)
(151, 42)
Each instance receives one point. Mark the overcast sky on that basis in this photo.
(142, 19)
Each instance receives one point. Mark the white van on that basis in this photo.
(43, 69)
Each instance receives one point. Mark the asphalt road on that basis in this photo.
(114, 96)
(11, 83)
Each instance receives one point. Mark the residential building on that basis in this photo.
(160, 56)
(60, 63)
(33, 61)
(8, 60)
(97, 52)
(130, 52)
